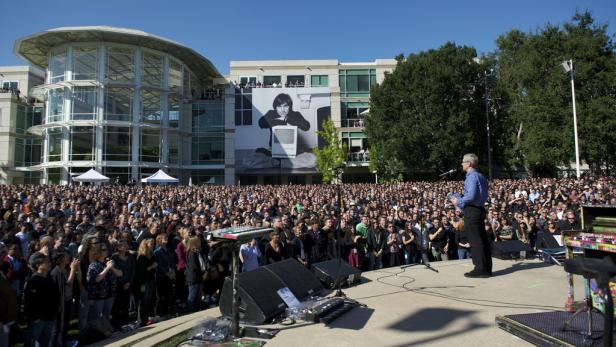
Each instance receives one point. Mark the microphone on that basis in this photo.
(447, 173)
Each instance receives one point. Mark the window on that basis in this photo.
(172, 148)
(150, 106)
(270, 80)
(150, 145)
(119, 104)
(54, 175)
(54, 144)
(84, 63)
(207, 149)
(174, 79)
(174, 110)
(243, 107)
(19, 151)
(352, 113)
(57, 66)
(208, 117)
(82, 143)
(84, 103)
(152, 69)
(117, 143)
(248, 80)
(319, 81)
(56, 105)
(10, 85)
(21, 120)
(295, 81)
(357, 82)
(33, 151)
(35, 116)
(120, 64)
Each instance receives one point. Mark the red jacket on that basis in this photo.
(9, 271)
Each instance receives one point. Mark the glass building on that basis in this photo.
(126, 103)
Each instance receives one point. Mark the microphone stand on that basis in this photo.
(424, 252)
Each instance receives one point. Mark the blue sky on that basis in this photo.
(226, 30)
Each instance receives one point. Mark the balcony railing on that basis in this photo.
(353, 123)
(358, 157)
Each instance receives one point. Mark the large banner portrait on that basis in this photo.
(283, 132)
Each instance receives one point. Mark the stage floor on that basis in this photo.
(416, 307)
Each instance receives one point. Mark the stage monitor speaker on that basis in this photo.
(258, 298)
(509, 249)
(332, 271)
(297, 277)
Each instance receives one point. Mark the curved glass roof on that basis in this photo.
(34, 48)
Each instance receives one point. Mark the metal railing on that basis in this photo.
(352, 122)
(358, 157)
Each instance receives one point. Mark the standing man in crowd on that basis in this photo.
(472, 203)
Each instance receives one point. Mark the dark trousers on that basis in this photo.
(181, 290)
(146, 300)
(164, 288)
(121, 306)
(477, 237)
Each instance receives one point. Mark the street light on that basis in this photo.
(485, 81)
(567, 67)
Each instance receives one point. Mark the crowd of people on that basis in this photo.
(115, 254)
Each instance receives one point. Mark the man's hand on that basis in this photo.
(454, 201)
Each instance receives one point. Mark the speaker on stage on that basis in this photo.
(297, 277)
(257, 289)
(332, 271)
(509, 249)
(258, 298)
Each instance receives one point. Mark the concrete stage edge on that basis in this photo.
(413, 307)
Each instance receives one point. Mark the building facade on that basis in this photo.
(128, 103)
(348, 88)
(19, 112)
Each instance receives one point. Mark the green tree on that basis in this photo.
(331, 157)
(387, 168)
(537, 94)
(428, 112)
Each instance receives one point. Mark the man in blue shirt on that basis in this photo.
(472, 203)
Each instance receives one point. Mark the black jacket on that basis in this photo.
(41, 298)
(194, 273)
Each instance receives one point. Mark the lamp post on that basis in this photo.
(485, 80)
(567, 67)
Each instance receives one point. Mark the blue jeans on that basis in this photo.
(40, 332)
(107, 307)
(374, 262)
(4, 336)
(96, 309)
(84, 308)
(464, 253)
(194, 294)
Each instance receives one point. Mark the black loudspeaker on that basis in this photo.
(297, 277)
(332, 271)
(509, 249)
(258, 297)
(257, 289)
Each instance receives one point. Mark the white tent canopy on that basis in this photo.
(160, 177)
(91, 176)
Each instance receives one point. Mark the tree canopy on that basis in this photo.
(428, 112)
(432, 108)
